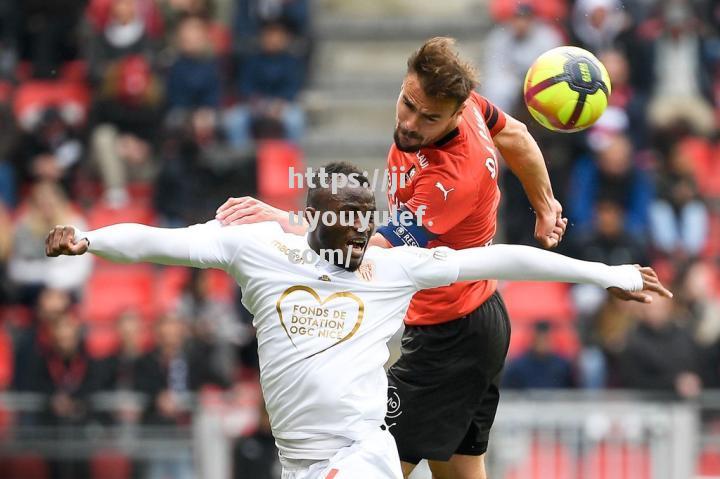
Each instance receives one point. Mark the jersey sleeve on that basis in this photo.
(427, 268)
(494, 116)
(441, 201)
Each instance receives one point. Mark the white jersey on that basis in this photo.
(321, 330)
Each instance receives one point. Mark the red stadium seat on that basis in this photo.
(619, 461)
(112, 290)
(27, 466)
(38, 94)
(220, 38)
(102, 341)
(709, 463)
(6, 359)
(102, 215)
(110, 465)
(545, 461)
(274, 159)
(222, 286)
(169, 286)
(527, 302)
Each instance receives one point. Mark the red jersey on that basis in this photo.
(456, 180)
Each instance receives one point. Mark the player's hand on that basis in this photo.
(245, 210)
(651, 284)
(550, 225)
(61, 240)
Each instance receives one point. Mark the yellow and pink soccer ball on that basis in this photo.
(567, 89)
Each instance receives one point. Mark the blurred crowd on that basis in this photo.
(150, 111)
(641, 186)
(155, 111)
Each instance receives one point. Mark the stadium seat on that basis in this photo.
(136, 212)
(169, 286)
(274, 159)
(101, 341)
(527, 302)
(39, 94)
(709, 463)
(706, 165)
(110, 465)
(111, 290)
(619, 461)
(545, 461)
(6, 359)
(27, 466)
(220, 38)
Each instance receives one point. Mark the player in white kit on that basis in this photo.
(323, 322)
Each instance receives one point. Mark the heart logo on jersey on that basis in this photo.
(321, 302)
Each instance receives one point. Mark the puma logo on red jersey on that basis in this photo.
(442, 188)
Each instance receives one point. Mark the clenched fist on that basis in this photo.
(61, 241)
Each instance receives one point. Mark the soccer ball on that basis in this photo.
(567, 89)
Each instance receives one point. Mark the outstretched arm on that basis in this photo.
(525, 263)
(199, 246)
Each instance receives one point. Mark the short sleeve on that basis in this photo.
(494, 116)
(427, 268)
(440, 202)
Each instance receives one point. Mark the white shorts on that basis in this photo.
(375, 456)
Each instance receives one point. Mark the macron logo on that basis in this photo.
(444, 191)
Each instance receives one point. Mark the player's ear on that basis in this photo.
(308, 213)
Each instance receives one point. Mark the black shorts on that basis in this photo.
(443, 391)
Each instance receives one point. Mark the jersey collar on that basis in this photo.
(447, 138)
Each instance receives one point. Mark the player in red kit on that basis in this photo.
(443, 391)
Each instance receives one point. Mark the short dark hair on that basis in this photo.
(338, 168)
(441, 71)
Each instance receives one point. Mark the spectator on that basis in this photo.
(597, 23)
(215, 323)
(9, 37)
(511, 48)
(6, 237)
(122, 32)
(269, 84)
(49, 147)
(626, 97)
(678, 217)
(64, 375)
(173, 369)
(696, 297)
(539, 367)
(28, 266)
(174, 11)
(199, 169)
(122, 370)
(49, 33)
(681, 92)
(176, 368)
(256, 455)
(251, 14)
(125, 119)
(609, 241)
(659, 354)
(611, 174)
(194, 78)
(31, 341)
